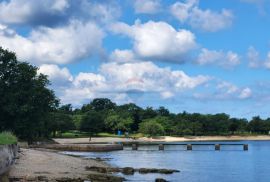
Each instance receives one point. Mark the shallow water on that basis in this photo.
(202, 164)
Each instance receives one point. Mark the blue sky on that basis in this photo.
(188, 55)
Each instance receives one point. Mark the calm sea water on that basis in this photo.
(203, 164)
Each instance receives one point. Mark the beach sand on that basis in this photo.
(163, 139)
(33, 164)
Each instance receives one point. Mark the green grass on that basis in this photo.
(77, 134)
(7, 138)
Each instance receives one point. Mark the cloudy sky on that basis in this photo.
(195, 55)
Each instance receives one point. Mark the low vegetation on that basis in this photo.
(7, 138)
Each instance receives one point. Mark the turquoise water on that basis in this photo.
(203, 164)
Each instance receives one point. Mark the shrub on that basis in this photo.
(7, 138)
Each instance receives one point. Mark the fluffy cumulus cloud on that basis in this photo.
(147, 6)
(54, 12)
(225, 59)
(120, 81)
(32, 12)
(223, 90)
(158, 40)
(206, 20)
(59, 45)
(122, 56)
(58, 76)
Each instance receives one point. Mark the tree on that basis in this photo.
(25, 100)
(61, 122)
(92, 122)
(151, 128)
(115, 122)
(101, 104)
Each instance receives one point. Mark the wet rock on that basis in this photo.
(160, 180)
(105, 178)
(167, 171)
(97, 169)
(103, 169)
(69, 180)
(153, 170)
(128, 171)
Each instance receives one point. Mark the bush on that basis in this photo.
(7, 138)
(151, 128)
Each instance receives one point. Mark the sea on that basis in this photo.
(203, 164)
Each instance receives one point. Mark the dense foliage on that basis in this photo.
(30, 110)
(25, 101)
(132, 118)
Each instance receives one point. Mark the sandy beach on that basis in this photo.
(44, 164)
(161, 139)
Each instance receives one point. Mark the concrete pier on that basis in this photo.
(217, 146)
(134, 146)
(161, 147)
(245, 147)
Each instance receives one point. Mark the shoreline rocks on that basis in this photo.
(130, 170)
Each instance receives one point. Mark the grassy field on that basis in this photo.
(76, 134)
(7, 138)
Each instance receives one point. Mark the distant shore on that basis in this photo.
(162, 139)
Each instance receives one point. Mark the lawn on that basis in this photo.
(7, 138)
(77, 134)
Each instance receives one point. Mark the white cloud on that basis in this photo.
(225, 59)
(58, 45)
(206, 20)
(55, 12)
(147, 6)
(58, 76)
(121, 81)
(122, 56)
(223, 90)
(267, 62)
(253, 57)
(158, 40)
(245, 93)
(31, 11)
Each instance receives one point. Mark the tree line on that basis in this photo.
(31, 110)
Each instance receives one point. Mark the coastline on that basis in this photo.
(161, 139)
(48, 165)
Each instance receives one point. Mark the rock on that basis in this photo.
(167, 171)
(103, 169)
(105, 178)
(128, 171)
(97, 169)
(160, 180)
(69, 180)
(153, 170)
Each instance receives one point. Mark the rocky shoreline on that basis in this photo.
(44, 165)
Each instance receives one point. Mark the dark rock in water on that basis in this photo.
(153, 170)
(128, 171)
(167, 171)
(69, 180)
(160, 180)
(105, 178)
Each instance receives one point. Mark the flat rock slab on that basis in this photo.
(84, 147)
